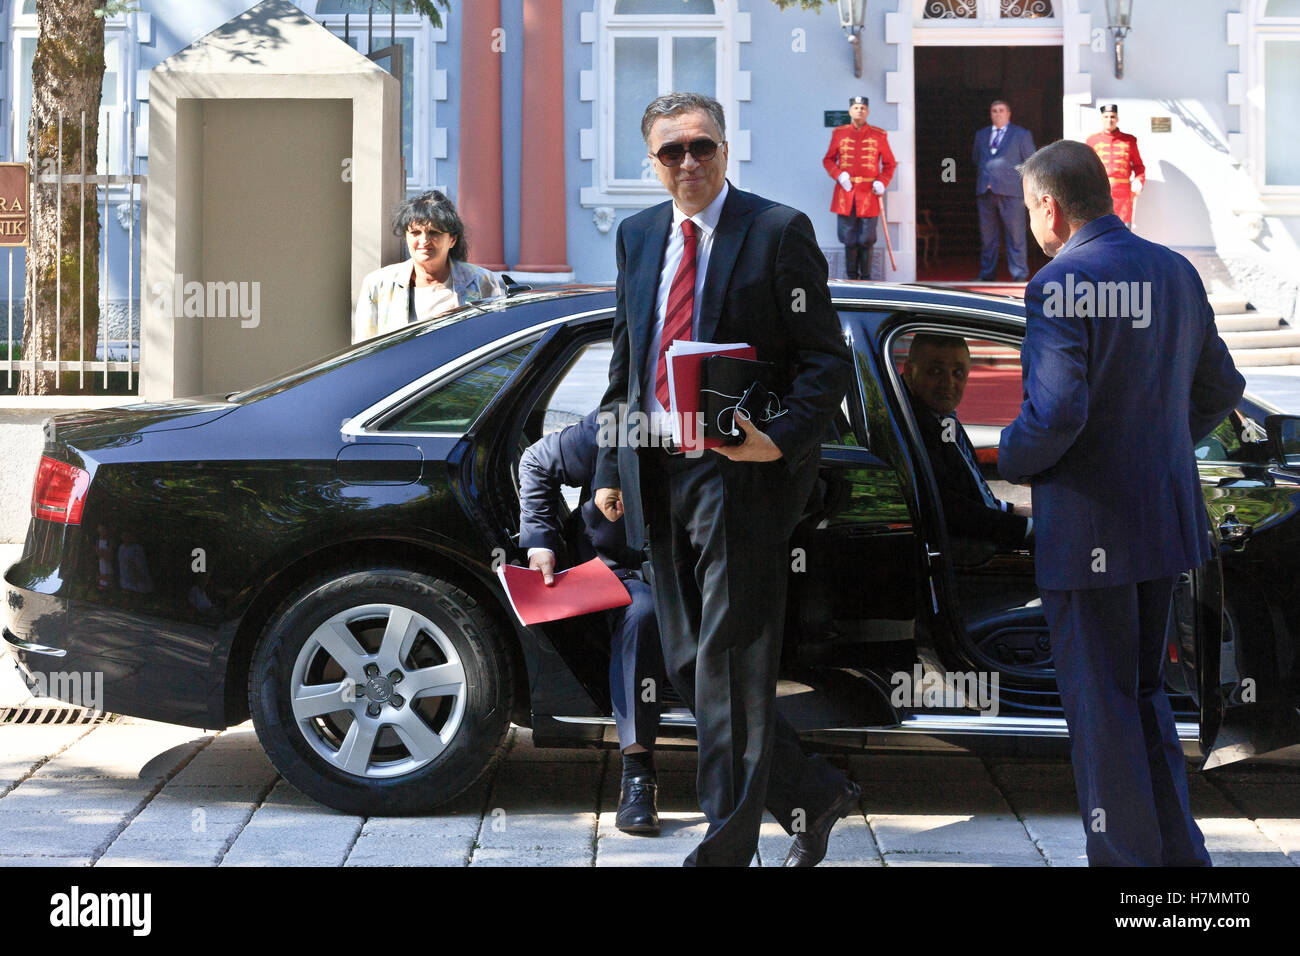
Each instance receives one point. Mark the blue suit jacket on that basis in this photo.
(1113, 408)
(1000, 171)
(568, 457)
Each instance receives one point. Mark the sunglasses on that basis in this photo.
(673, 153)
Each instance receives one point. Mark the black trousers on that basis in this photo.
(721, 604)
(1109, 650)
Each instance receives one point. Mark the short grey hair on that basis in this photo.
(1071, 173)
(674, 104)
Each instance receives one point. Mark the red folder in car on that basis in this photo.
(584, 589)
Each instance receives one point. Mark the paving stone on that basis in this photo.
(532, 856)
(43, 861)
(972, 795)
(289, 829)
(26, 833)
(1237, 842)
(146, 848)
(115, 751)
(679, 832)
(1000, 838)
(910, 768)
(444, 840)
(1277, 800)
(1060, 837)
(1285, 833)
(73, 795)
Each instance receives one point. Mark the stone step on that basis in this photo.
(1248, 322)
(1227, 303)
(1275, 338)
(1266, 357)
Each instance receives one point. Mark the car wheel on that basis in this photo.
(381, 691)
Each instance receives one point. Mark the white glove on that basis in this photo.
(845, 182)
(1137, 186)
(878, 188)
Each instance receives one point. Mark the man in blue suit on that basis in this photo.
(568, 457)
(1124, 372)
(998, 149)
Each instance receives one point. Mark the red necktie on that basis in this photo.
(681, 307)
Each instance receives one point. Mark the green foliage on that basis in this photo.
(802, 4)
(114, 7)
(429, 8)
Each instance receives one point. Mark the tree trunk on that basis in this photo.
(67, 78)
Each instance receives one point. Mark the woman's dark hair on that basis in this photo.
(438, 211)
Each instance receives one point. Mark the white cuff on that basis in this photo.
(533, 551)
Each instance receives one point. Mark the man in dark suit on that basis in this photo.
(935, 373)
(998, 148)
(719, 265)
(1124, 372)
(568, 457)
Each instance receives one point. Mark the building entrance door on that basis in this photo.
(954, 87)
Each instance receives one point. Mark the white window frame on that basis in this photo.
(1038, 31)
(122, 28)
(600, 28)
(1276, 199)
(428, 140)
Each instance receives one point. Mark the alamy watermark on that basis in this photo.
(945, 689)
(634, 429)
(1086, 299)
(209, 300)
(79, 688)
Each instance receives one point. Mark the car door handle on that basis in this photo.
(1235, 533)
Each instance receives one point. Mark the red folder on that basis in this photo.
(685, 360)
(584, 589)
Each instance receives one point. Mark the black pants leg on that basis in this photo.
(722, 655)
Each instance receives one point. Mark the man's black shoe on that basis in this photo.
(809, 848)
(637, 809)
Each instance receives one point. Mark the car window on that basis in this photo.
(453, 406)
(1238, 438)
(580, 387)
(993, 392)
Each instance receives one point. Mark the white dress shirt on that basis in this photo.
(706, 222)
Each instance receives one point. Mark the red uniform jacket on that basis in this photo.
(1119, 154)
(865, 155)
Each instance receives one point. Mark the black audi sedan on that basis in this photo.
(318, 553)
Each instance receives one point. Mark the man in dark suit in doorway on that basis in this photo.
(998, 148)
(1124, 372)
(719, 265)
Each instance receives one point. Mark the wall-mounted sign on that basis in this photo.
(836, 118)
(15, 192)
(1162, 124)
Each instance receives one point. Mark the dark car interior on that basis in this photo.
(998, 601)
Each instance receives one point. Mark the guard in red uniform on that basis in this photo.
(1119, 154)
(861, 163)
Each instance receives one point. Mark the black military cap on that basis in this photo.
(1110, 108)
(858, 101)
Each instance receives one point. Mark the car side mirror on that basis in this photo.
(1283, 438)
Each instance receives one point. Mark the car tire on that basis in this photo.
(381, 691)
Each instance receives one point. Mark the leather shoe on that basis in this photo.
(809, 847)
(637, 808)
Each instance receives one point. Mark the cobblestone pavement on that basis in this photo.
(142, 793)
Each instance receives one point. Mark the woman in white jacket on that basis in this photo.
(434, 280)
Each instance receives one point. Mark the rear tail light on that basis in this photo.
(60, 491)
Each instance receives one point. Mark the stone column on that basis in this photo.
(542, 234)
(478, 189)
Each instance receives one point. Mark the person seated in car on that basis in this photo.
(568, 457)
(935, 373)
